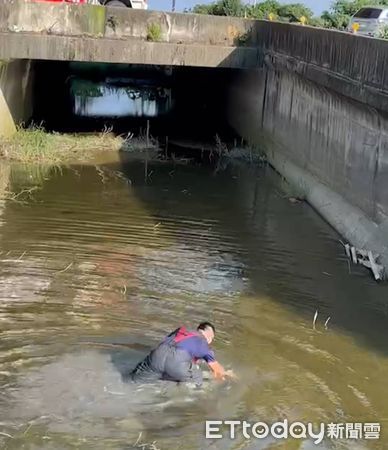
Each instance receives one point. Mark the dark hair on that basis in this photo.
(204, 325)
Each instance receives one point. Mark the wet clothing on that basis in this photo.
(175, 358)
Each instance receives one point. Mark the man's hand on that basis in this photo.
(218, 370)
(230, 374)
(220, 373)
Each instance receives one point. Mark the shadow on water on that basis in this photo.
(288, 252)
(291, 254)
(285, 251)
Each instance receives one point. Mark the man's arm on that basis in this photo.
(217, 369)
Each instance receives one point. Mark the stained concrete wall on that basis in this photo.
(331, 147)
(50, 18)
(66, 32)
(318, 105)
(180, 28)
(16, 83)
(321, 99)
(65, 48)
(120, 23)
(354, 66)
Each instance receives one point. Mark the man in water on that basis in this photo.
(176, 357)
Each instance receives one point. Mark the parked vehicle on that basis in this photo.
(369, 20)
(135, 4)
(63, 1)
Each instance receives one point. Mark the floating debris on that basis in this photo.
(315, 319)
(66, 268)
(367, 259)
(5, 434)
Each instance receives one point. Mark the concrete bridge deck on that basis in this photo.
(107, 50)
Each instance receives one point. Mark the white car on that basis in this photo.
(135, 4)
(369, 20)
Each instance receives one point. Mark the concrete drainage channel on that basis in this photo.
(326, 115)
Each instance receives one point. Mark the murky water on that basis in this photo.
(97, 265)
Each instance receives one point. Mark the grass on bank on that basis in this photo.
(154, 32)
(139, 143)
(36, 145)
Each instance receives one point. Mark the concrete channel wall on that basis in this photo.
(354, 66)
(319, 110)
(120, 23)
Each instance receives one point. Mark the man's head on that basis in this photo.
(207, 330)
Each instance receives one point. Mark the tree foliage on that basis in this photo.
(232, 8)
(337, 17)
(291, 12)
(202, 9)
(221, 8)
(335, 20)
(262, 10)
(294, 11)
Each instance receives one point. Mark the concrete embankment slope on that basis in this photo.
(318, 105)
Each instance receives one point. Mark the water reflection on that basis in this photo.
(95, 270)
(122, 101)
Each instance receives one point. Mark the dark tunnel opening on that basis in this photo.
(181, 103)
